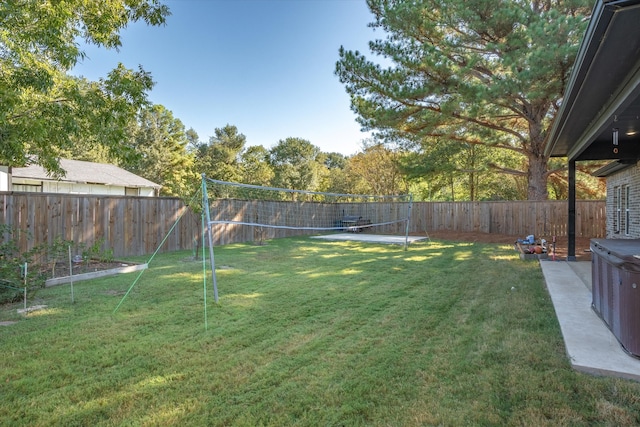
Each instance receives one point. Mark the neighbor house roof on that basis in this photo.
(603, 90)
(87, 173)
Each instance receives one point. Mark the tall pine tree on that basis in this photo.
(160, 143)
(488, 72)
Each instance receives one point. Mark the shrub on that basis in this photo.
(12, 266)
(39, 263)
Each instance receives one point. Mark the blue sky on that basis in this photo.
(265, 66)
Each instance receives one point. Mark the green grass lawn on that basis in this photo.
(306, 333)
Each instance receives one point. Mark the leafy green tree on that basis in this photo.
(336, 180)
(481, 72)
(88, 149)
(433, 166)
(334, 160)
(587, 186)
(295, 164)
(161, 144)
(331, 173)
(193, 140)
(376, 170)
(220, 158)
(462, 172)
(256, 169)
(43, 110)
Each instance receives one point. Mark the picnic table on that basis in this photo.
(354, 223)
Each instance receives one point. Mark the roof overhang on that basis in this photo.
(613, 167)
(603, 92)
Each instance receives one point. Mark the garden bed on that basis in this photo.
(93, 270)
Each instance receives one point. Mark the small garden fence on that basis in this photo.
(137, 225)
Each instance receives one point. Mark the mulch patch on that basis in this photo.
(562, 243)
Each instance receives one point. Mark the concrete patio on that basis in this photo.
(590, 345)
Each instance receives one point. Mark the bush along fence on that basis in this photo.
(129, 226)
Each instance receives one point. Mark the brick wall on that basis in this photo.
(623, 204)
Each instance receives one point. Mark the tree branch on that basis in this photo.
(32, 110)
(507, 170)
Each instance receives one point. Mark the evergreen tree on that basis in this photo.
(481, 72)
(161, 144)
(220, 158)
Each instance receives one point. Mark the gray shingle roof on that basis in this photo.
(87, 172)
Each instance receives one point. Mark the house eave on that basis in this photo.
(603, 90)
(613, 167)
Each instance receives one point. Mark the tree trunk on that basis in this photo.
(537, 171)
(537, 178)
(453, 191)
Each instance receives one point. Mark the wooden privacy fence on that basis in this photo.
(137, 225)
(516, 218)
(127, 225)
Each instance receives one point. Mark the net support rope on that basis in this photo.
(288, 209)
(204, 277)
